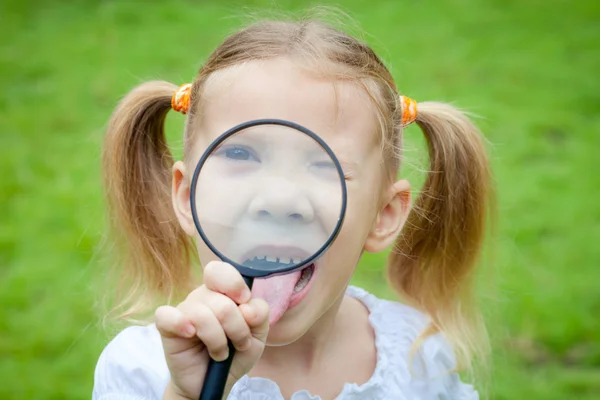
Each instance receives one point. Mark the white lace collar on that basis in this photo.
(386, 376)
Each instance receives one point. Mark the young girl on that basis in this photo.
(333, 340)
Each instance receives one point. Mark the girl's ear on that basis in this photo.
(180, 194)
(390, 218)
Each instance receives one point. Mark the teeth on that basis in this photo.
(282, 260)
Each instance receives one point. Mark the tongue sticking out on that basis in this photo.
(277, 292)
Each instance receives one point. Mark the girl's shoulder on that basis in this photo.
(387, 315)
(132, 366)
(426, 373)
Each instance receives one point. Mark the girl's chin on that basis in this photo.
(291, 327)
(281, 336)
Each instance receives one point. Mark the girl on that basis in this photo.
(324, 339)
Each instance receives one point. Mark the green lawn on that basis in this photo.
(529, 68)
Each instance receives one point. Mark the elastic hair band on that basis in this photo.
(409, 110)
(180, 101)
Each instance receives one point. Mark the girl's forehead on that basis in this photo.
(338, 111)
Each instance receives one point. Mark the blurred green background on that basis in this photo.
(528, 68)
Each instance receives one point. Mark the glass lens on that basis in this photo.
(268, 197)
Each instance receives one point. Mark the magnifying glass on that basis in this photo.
(268, 197)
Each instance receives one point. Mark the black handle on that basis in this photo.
(218, 371)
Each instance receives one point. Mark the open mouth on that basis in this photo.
(281, 290)
(305, 277)
(278, 258)
(271, 263)
(278, 263)
(274, 258)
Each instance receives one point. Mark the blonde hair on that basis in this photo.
(436, 254)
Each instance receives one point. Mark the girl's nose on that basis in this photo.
(283, 204)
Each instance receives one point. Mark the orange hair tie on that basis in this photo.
(409, 110)
(180, 101)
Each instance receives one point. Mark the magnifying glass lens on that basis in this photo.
(268, 198)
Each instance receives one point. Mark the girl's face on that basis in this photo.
(271, 194)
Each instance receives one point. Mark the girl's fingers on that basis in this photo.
(208, 328)
(256, 315)
(231, 320)
(224, 278)
(171, 323)
(211, 313)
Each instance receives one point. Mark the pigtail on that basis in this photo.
(153, 251)
(436, 254)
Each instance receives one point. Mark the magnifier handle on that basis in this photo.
(218, 371)
(216, 376)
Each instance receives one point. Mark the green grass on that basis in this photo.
(529, 68)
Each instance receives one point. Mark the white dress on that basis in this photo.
(132, 366)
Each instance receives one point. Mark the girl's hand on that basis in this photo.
(198, 328)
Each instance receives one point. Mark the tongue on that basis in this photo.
(277, 292)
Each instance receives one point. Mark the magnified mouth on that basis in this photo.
(275, 259)
(275, 264)
(271, 262)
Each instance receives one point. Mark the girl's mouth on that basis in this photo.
(283, 291)
(275, 263)
(305, 278)
(274, 258)
(271, 263)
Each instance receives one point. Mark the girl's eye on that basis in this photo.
(324, 165)
(237, 153)
(324, 170)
